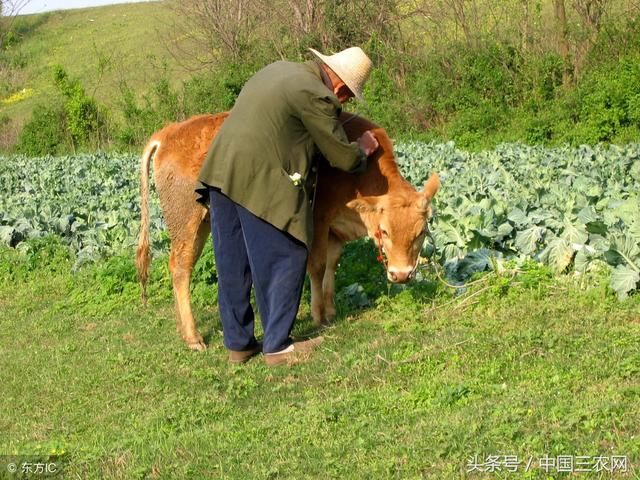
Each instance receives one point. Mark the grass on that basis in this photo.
(411, 387)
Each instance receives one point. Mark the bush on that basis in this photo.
(217, 91)
(476, 127)
(45, 133)
(484, 96)
(605, 106)
(385, 103)
(139, 121)
(615, 41)
(85, 120)
(162, 105)
(539, 129)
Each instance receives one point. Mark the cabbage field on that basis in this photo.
(575, 209)
(92, 201)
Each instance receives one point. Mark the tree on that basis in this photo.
(591, 14)
(9, 10)
(214, 28)
(525, 26)
(562, 35)
(233, 31)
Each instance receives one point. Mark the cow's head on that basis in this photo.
(398, 222)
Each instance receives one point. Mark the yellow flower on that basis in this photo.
(18, 96)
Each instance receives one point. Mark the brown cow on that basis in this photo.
(378, 203)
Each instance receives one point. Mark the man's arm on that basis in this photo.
(320, 117)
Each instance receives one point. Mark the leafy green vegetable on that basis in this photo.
(624, 279)
(91, 201)
(571, 208)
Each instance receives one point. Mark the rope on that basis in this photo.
(354, 115)
(381, 258)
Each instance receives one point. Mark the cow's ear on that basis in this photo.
(431, 186)
(363, 204)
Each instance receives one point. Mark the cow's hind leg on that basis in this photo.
(187, 222)
(334, 250)
(184, 254)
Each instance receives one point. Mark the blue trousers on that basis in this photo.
(250, 251)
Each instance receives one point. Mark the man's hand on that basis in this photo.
(368, 143)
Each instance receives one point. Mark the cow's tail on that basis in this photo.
(143, 253)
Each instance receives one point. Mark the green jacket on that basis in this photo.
(282, 114)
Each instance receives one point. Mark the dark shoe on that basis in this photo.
(294, 353)
(241, 356)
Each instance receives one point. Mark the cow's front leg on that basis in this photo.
(316, 273)
(334, 250)
(316, 266)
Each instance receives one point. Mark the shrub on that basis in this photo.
(162, 105)
(139, 121)
(85, 120)
(44, 133)
(605, 106)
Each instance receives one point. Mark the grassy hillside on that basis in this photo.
(470, 79)
(102, 46)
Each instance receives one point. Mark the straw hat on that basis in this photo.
(351, 65)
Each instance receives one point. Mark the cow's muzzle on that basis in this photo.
(400, 276)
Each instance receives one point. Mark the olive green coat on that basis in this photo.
(282, 114)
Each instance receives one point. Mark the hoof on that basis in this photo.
(323, 322)
(197, 345)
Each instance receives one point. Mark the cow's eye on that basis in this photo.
(385, 234)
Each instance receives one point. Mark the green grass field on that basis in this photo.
(414, 386)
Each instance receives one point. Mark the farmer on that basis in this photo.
(255, 178)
